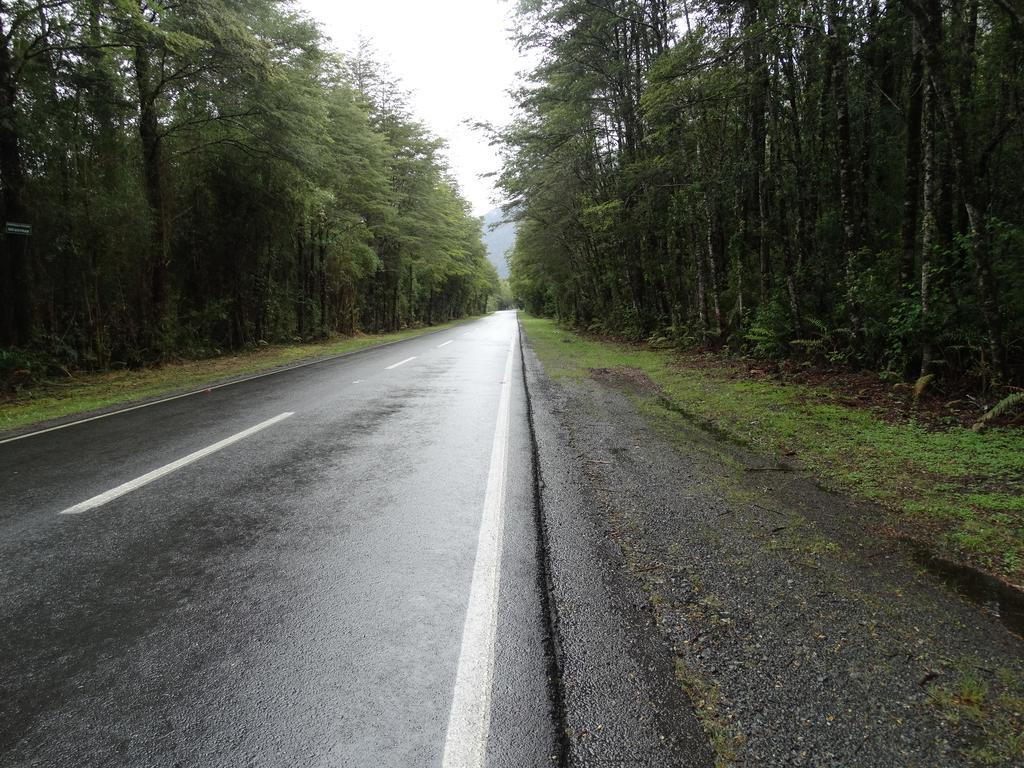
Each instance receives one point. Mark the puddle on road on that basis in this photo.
(1001, 600)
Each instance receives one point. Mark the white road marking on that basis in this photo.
(132, 408)
(445, 344)
(206, 390)
(400, 362)
(358, 381)
(149, 477)
(465, 743)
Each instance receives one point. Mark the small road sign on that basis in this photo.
(14, 228)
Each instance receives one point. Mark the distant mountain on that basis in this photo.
(499, 241)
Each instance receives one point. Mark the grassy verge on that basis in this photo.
(92, 391)
(959, 492)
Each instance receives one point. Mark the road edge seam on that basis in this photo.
(552, 643)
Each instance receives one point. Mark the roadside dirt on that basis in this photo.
(800, 634)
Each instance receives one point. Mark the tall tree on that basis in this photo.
(207, 174)
(777, 160)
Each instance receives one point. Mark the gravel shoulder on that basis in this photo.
(712, 606)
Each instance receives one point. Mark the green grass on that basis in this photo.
(726, 741)
(988, 707)
(87, 392)
(957, 491)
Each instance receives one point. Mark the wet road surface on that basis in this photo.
(279, 572)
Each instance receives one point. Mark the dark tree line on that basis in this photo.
(204, 174)
(838, 179)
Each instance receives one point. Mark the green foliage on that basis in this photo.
(502, 298)
(1008, 404)
(19, 367)
(730, 173)
(827, 345)
(904, 337)
(770, 332)
(204, 175)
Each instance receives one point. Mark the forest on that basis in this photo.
(203, 175)
(835, 182)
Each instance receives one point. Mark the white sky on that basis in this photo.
(455, 58)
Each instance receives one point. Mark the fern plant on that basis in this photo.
(1006, 405)
(922, 384)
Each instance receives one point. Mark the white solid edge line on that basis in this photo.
(465, 743)
(400, 362)
(149, 477)
(445, 344)
(136, 407)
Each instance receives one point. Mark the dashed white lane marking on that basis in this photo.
(203, 390)
(445, 344)
(400, 362)
(465, 744)
(358, 381)
(149, 477)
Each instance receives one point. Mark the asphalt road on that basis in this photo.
(296, 594)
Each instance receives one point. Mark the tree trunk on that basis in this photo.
(322, 276)
(739, 310)
(912, 164)
(929, 228)
(837, 24)
(702, 294)
(756, 68)
(300, 260)
(152, 164)
(16, 285)
(928, 14)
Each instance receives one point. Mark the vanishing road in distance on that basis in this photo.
(304, 568)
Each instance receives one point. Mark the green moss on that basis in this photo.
(955, 488)
(93, 391)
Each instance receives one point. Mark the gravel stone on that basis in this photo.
(804, 635)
